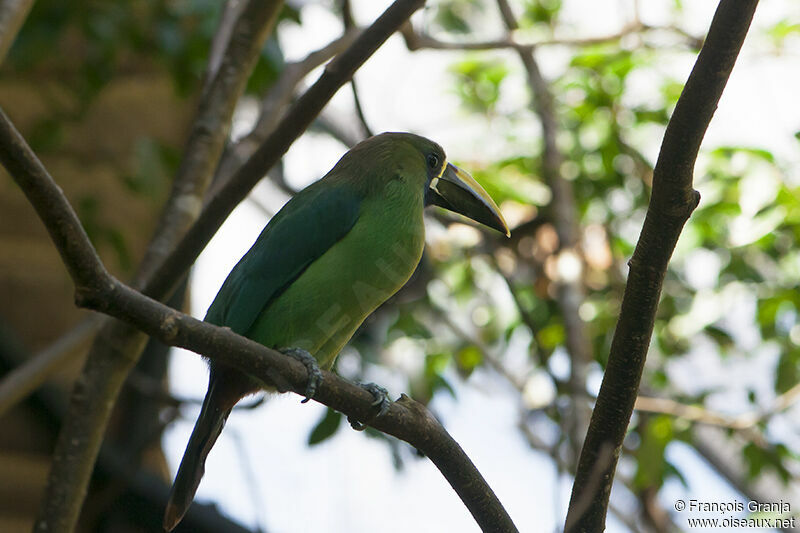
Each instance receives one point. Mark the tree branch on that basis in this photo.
(231, 13)
(30, 375)
(348, 22)
(12, 15)
(405, 419)
(740, 422)
(672, 201)
(564, 214)
(419, 41)
(275, 101)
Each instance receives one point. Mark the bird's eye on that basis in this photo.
(433, 161)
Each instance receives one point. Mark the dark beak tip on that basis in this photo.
(502, 228)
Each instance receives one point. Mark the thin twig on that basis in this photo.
(696, 413)
(30, 375)
(525, 316)
(570, 293)
(231, 13)
(96, 289)
(12, 15)
(672, 201)
(349, 23)
(421, 41)
(330, 124)
(274, 103)
(362, 119)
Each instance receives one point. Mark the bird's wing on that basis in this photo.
(306, 227)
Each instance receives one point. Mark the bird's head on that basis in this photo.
(444, 184)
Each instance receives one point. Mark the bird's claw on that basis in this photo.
(314, 373)
(382, 402)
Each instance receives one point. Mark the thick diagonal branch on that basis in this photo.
(672, 201)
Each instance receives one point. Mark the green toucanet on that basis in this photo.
(329, 258)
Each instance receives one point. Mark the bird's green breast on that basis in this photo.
(323, 307)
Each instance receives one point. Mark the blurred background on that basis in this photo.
(504, 339)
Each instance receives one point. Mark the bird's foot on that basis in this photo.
(382, 402)
(314, 373)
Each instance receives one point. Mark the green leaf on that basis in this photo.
(455, 16)
(726, 152)
(787, 372)
(551, 335)
(46, 135)
(478, 81)
(289, 13)
(540, 12)
(768, 458)
(154, 164)
(268, 67)
(468, 359)
(722, 337)
(782, 29)
(651, 465)
(435, 363)
(670, 470)
(513, 179)
(326, 427)
(409, 326)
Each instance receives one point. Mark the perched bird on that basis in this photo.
(324, 262)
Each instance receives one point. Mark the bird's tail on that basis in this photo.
(222, 395)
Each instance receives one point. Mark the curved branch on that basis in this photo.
(98, 290)
(422, 41)
(347, 20)
(28, 376)
(746, 421)
(672, 201)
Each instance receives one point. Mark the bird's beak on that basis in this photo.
(457, 191)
